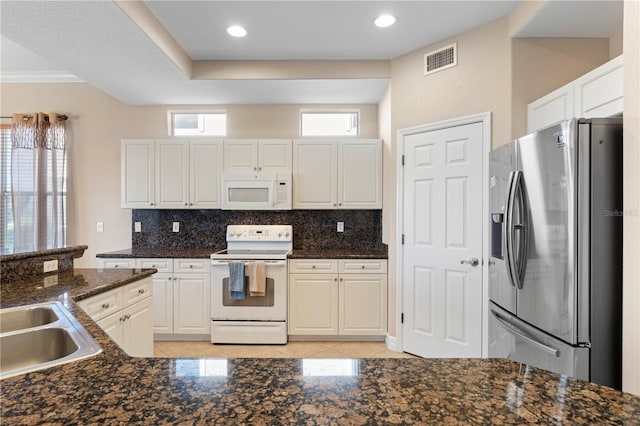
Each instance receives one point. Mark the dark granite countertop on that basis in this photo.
(113, 388)
(338, 254)
(205, 253)
(202, 253)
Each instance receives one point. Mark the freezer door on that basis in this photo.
(512, 338)
(547, 298)
(502, 164)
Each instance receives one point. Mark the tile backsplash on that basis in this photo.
(312, 229)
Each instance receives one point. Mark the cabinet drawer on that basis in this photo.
(117, 263)
(192, 265)
(358, 266)
(102, 305)
(325, 266)
(162, 265)
(137, 291)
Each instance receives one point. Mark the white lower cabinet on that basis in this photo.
(181, 295)
(125, 314)
(345, 297)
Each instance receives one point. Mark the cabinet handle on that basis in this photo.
(362, 266)
(127, 317)
(151, 204)
(255, 169)
(313, 266)
(190, 204)
(141, 291)
(335, 279)
(190, 266)
(334, 204)
(186, 204)
(340, 279)
(259, 169)
(115, 266)
(339, 204)
(105, 306)
(122, 319)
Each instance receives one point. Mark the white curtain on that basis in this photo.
(38, 181)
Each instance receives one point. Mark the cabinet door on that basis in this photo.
(172, 174)
(240, 155)
(363, 304)
(191, 304)
(204, 179)
(360, 174)
(138, 329)
(313, 304)
(556, 106)
(315, 164)
(137, 174)
(274, 155)
(599, 93)
(162, 304)
(113, 326)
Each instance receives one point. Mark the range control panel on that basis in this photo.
(259, 233)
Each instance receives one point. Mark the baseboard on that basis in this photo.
(181, 337)
(332, 338)
(392, 343)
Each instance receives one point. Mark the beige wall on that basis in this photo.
(541, 65)
(98, 122)
(631, 249)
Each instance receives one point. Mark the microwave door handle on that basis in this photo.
(530, 339)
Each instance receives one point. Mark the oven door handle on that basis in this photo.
(218, 262)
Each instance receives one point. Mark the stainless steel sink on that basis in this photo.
(29, 317)
(40, 336)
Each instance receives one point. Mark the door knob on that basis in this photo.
(473, 262)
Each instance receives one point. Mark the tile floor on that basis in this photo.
(290, 350)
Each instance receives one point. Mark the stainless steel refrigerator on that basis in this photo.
(555, 272)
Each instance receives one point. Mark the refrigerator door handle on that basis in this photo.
(524, 336)
(510, 261)
(523, 229)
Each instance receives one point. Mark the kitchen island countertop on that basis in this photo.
(113, 388)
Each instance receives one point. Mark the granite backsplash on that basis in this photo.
(312, 229)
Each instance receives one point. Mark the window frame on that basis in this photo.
(329, 111)
(171, 112)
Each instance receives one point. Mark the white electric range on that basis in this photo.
(251, 319)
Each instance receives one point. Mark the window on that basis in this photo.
(197, 123)
(329, 123)
(34, 179)
(6, 210)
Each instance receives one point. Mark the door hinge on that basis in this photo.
(402, 318)
(402, 240)
(403, 159)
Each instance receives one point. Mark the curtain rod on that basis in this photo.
(60, 117)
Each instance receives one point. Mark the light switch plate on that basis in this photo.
(340, 227)
(176, 226)
(100, 227)
(137, 226)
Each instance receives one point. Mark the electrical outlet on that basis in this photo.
(340, 227)
(176, 226)
(100, 227)
(137, 226)
(50, 265)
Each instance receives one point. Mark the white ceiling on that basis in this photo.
(95, 41)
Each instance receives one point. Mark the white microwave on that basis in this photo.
(251, 191)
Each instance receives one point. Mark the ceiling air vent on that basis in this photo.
(441, 59)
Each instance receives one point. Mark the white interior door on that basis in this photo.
(442, 297)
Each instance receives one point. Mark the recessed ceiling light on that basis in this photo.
(384, 21)
(236, 31)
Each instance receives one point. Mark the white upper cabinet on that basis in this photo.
(251, 155)
(360, 174)
(551, 108)
(598, 93)
(176, 173)
(172, 174)
(330, 174)
(205, 170)
(315, 174)
(137, 167)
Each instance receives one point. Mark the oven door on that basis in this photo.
(270, 307)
